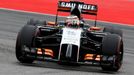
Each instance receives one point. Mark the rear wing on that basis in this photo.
(65, 6)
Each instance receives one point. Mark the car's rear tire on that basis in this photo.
(112, 52)
(24, 38)
(113, 31)
(36, 22)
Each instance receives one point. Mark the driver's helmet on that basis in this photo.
(72, 21)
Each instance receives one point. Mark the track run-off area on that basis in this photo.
(12, 21)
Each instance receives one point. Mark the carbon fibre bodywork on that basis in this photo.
(79, 44)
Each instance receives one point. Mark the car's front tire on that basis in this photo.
(24, 38)
(112, 50)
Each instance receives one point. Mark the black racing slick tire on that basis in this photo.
(36, 22)
(113, 30)
(24, 38)
(112, 52)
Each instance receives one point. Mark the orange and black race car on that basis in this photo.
(71, 40)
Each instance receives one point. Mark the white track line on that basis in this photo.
(60, 16)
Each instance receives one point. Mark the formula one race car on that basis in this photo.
(71, 40)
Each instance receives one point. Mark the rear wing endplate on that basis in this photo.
(66, 6)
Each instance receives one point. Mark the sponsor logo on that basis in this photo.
(81, 6)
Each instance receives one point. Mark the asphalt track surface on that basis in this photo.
(11, 22)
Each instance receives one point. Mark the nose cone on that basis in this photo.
(69, 51)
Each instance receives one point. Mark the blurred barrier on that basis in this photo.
(120, 11)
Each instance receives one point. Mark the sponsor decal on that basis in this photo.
(71, 36)
(80, 5)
